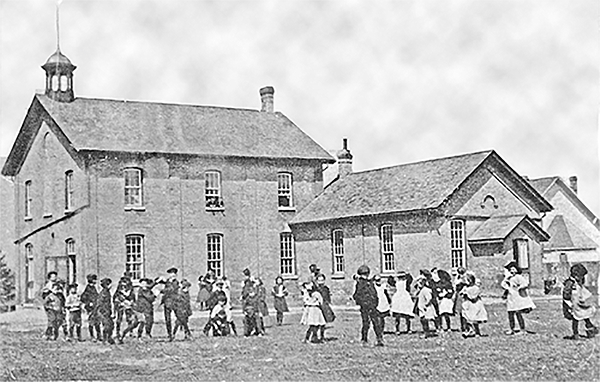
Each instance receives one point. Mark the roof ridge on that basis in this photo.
(422, 161)
(163, 103)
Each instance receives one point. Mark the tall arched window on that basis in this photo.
(285, 190)
(388, 260)
(28, 199)
(134, 256)
(71, 261)
(212, 190)
(457, 244)
(68, 190)
(29, 273)
(337, 246)
(287, 254)
(214, 253)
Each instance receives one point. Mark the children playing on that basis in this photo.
(314, 316)
(218, 324)
(183, 311)
(365, 296)
(425, 306)
(279, 293)
(577, 303)
(473, 309)
(445, 293)
(73, 306)
(518, 301)
(402, 304)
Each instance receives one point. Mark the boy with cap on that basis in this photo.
(73, 305)
(88, 299)
(365, 296)
(169, 297)
(577, 303)
(104, 311)
(145, 304)
(183, 310)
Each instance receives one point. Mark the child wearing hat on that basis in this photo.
(183, 310)
(73, 306)
(518, 301)
(365, 296)
(103, 309)
(88, 299)
(577, 303)
(145, 304)
(170, 295)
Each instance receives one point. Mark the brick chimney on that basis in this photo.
(573, 183)
(267, 99)
(344, 160)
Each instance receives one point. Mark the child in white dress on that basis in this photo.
(402, 306)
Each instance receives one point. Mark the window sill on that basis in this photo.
(215, 209)
(68, 212)
(289, 277)
(287, 209)
(28, 218)
(46, 215)
(338, 276)
(135, 208)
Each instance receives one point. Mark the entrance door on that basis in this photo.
(60, 265)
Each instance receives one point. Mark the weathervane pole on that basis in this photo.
(57, 26)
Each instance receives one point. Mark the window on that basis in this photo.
(55, 83)
(134, 256)
(284, 190)
(337, 243)
(288, 260)
(69, 190)
(457, 243)
(214, 253)
(521, 253)
(29, 273)
(72, 261)
(28, 199)
(64, 83)
(212, 190)
(133, 187)
(387, 248)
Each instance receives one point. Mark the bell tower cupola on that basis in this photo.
(59, 73)
(59, 77)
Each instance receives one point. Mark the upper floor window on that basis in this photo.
(284, 190)
(457, 244)
(212, 190)
(28, 199)
(287, 254)
(55, 83)
(337, 244)
(214, 253)
(133, 187)
(69, 190)
(521, 253)
(134, 256)
(72, 261)
(387, 248)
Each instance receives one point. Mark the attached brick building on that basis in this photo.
(113, 187)
(469, 210)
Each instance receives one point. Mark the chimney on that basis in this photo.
(344, 160)
(573, 183)
(266, 99)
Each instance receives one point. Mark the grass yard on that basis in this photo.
(280, 355)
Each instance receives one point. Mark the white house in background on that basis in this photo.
(574, 232)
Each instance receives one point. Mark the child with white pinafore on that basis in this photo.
(402, 305)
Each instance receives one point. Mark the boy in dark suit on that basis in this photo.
(365, 296)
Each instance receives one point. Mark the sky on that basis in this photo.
(404, 81)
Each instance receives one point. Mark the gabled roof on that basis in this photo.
(409, 187)
(497, 228)
(149, 127)
(549, 186)
(565, 235)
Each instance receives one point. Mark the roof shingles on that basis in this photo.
(111, 125)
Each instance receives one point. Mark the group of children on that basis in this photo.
(433, 297)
